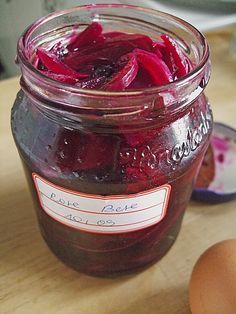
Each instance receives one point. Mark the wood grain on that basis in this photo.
(32, 280)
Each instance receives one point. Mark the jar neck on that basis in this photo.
(151, 103)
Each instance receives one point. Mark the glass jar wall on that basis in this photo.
(111, 173)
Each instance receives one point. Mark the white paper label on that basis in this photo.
(102, 214)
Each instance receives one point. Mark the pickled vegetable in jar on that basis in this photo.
(111, 124)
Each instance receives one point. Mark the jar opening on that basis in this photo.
(114, 16)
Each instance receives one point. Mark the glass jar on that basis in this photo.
(111, 173)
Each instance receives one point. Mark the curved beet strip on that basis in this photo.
(158, 49)
(139, 41)
(89, 36)
(123, 78)
(112, 34)
(155, 66)
(78, 154)
(178, 62)
(109, 53)
(52, 63)
(111, 49)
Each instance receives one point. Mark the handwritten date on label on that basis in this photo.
(100, 222)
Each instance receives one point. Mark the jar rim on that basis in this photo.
(101, 93)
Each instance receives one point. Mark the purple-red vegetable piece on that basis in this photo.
(111, 50)
(158, 70)
(89, 36)
(124, 77)
(52, 63)
(174, 56)
(78, 153)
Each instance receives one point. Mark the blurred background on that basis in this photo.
(16, 15)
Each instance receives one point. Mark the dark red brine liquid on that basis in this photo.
(85, 154)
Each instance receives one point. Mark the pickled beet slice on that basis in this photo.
(142, 80)
(108, 53)
(159, 49)
(112, 49)
(112, 34)
(174, 57)
(139, 138)
(138, 40)
(76, 151)
(52, 63)
(155, 66)
(140, 168)
(89, 36)
(124, 77)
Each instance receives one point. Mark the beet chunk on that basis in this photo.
(125, 76)
(76, 151)
(175, 58)
(157, 69)
(52, 63)
(89, 36)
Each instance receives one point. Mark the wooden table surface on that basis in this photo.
(33, 281)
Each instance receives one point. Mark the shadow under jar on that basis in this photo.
(111, 173)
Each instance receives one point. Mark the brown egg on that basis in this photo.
(212, 288)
